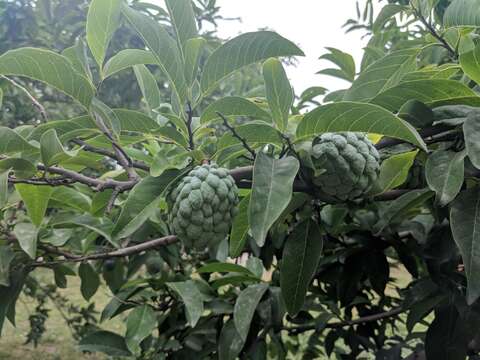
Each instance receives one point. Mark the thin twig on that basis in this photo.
(191, 143)
(236, 135)
(32, 98)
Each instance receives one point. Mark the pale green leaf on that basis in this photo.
(352, 116)
(90, 280)
(244, 50)
(141, 322)
(462, 13)
(252, 133)
(233, 106)
(193, 50)
(394, 170)
(382, 75)
(279, 91)
(52, 150)
(470, 63)
(386, 13)
(148, 86)
(191, 297)
(240, 227)
(12, 142)
(183, 20)
(27, 236)
(103, 19)
(444, 172)
(271, 192)
(77, 54)
(50, 68)
(471, 132)
(106, 342)
(245, 307)
(36, 200)
(1, 98)
(3, 188)
(301, 254)
(465, 222)
(6, 257)
(127, 58)
(22, 168)
(343, 60)
(71, 198)
(105, 115)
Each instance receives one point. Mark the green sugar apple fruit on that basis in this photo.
(347, 163)
(202, 206)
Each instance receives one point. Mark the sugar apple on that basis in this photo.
(347, 164)
(202, 206)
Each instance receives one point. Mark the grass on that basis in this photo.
(57, 343)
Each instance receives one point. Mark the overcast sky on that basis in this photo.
(311, 24)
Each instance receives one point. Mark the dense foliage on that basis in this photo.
(356, 230)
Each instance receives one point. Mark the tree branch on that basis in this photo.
(236, 135)
(424, 133)
(189, 126)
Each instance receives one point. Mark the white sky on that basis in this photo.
(311, 24)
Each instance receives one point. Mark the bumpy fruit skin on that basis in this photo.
(349, 161)
(202, 206)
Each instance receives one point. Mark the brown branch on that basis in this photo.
(424, 133)
(236, 135)
(34, 101)
(189, 121)
(41, 182)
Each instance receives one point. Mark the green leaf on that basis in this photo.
(352, 116)
(344, 61)
(462, 13)
(163, 47)
(22, 168)
(271, 192)
(470, 63)
(1, 98)
(36, 200)
(394, 170)
(471, 132)
(191, 297)
(233, 106)
(279, 92)
(245, 307)
(52, 150)
(27, 235)
(77, 54)
(102, 226)
(183, 20)
(416, 113)
(386, 13)
(193, 50)
(141, 322)
(240, 226)
(103, 113)
(106, 342)
(142, 201)
(301, 254)
(444, 172)
(71, 198)
(383, 74)
(50, 68)
(230, 343)
(465, 221)
(397, 208)
(148, 86)
(432, 92)
(6, 257)
(90, 280)
(9, 296)
(12, 142)
(224, 267)
(127, 58)
(252, 133)
(3, 188)
(103, 19)
(244, 50)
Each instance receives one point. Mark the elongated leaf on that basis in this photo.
(225, 267)
(387, 12)
(183, 20)
(252, 133)
(163, 47)
(193, 50)
(9, 296)
(72, 198)
(127, 58)
(77, 54)
(462, 13)
(300, 258)
(6, 257)
(240, 226)
(245, 307)
(102, 226)
(27, 236)
(191, 297)
(243, 50)
(50, 68)
(106, 342)
(382, 75)
(271, 192)
(22, 168)
(471, 131)
(145, 195)
(1, 98)
(103, 18)
(444, 172)
(394, 170)
(230, 343)
(12, 142)
(233, 106)
(433, 92)
(465, 222)
(104, 114)
(278, 90)
(3, 188)
(90, 280)
(141, 322)
(470, 63)
(36, 200)
(148, 86)
(352, 116)
(343, 60)
(52, 150)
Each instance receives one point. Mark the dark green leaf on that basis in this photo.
(106, 342)
(90, 280)
(471, 131)
(36, 200)
(225, 267)
(6, 257)
(462, 13)
(240, 226)
(230, 343)
(22, 168)
(141, 322)
(191, 297)
(416, 113)
(245, 307)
